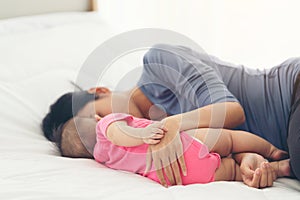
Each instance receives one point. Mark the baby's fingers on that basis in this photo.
(157, 136)
(153, 141)
(160, 125)
(157, 131)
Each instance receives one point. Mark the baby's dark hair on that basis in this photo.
(66, 107)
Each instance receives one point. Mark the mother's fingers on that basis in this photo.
(256, 178)
(148, 161)
(264, 176)
(159, 172)
(182, 165)
(274, 174)
(157, 136)
(180, 158)
(176, 171)
(270, 175)
(169, 172)
(161, 177)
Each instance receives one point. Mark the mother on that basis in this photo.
(209, 93)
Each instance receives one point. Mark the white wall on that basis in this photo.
(256, 33)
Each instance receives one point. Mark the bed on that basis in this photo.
(39, 55)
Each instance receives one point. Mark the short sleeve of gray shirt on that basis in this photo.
(175, 79)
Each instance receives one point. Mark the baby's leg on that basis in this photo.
(228, 171)
(225, 142)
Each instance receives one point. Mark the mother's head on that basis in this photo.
(68, 106)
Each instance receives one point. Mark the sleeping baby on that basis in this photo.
(120, 141)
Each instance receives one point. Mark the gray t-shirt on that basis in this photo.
(179, 79)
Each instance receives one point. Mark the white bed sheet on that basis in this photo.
(38, 55)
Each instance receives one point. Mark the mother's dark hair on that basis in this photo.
(65, 107)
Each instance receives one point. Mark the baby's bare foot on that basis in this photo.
(277, 154)
(282, 167)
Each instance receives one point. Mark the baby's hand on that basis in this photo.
(154, 132)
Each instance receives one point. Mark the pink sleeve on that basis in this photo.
(108, 119)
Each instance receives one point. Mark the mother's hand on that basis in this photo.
(255, 171)
(167, 154)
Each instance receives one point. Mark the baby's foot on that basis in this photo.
(282, 167)
(277, 154)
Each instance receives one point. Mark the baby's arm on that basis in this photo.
(119, 133)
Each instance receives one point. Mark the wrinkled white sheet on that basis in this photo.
(38, 56)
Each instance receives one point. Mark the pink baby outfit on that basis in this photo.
(201, 165)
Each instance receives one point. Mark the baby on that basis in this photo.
(120, 141)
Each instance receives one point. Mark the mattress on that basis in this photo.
(39, 55)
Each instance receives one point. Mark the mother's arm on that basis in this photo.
(218, 115)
